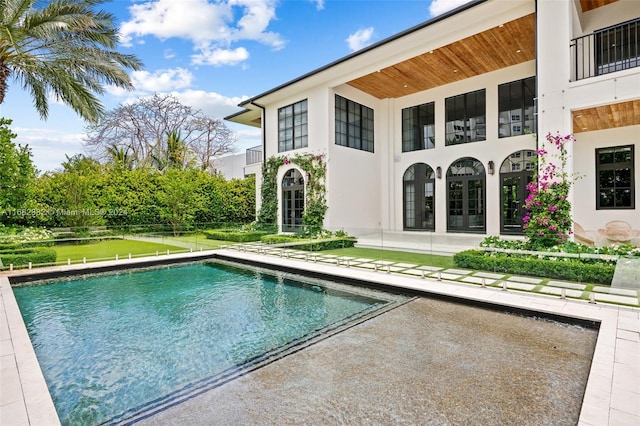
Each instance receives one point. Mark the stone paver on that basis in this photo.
(529, 280)
(618, 291)
(445, 276)
(615, 299)
(488, 275)
(478, 280)
(457, 271)
(564, 284)
(558, 291)
(520, 286)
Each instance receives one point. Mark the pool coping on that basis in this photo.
(612, 394)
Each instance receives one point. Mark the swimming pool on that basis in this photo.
(119, 345)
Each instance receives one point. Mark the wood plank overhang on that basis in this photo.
(502, 46)
(588, 5)
(610, 116)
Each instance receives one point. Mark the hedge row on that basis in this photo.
(22, 257)
(235, 235)
(565, 269)
(26, 244)
(310, 245)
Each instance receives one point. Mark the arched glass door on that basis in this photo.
(466, 196)
(516, 172)
(419, 197)
(292, 201)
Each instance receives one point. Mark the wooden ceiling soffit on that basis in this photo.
(607, 116)
(588, 5)
(509, 44)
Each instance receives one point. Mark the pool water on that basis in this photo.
(112, 346)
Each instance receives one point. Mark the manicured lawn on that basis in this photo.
(103, 250)
(396, 256)
(195, 241)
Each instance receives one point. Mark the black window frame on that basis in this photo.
(518, 96)
(471, 109)
(418, 127)
(616, 167)
(294, 119)
(354, 124)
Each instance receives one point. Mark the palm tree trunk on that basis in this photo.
(5, 71)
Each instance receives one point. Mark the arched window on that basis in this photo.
(516, 172)
(292, 201)
(418, 185)
(466, 196)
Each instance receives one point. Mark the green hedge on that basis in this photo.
(22, 257)
(26, 244)
(234, 235)
(565, 269)
(310, 245)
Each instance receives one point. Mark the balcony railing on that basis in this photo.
(605, 51)
(254, 154)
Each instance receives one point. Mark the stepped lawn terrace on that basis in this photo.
(280, 340)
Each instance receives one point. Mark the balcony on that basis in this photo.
(254, 155)
(605, 51)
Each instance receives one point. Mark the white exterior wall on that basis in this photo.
(356, 181)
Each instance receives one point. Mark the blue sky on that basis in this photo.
(212, 55)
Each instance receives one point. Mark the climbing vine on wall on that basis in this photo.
(315, 194)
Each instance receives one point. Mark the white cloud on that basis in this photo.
(162, 80)
(218, 57)
(210, 26)
(360, 39)
(438, 7)
(210, 103)
(319, 4)
(169, 54)
(50, 146)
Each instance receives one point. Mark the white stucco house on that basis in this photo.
(432, 130)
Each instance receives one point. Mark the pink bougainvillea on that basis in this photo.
(547, 221)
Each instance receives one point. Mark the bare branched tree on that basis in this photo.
(148, 129)
(210, 139)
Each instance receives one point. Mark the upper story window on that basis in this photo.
(354, 124)
(615, 182)
(516, 107)
(292, 127)
(418, 127)
(465, 118)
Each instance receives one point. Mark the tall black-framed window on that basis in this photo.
(465, 118)
(516, 172)
(615, 186)
(418, 127)
(354, 124)
(516, 108)
(292, 201)
(466, 199)
(419, 198)
(292, 127)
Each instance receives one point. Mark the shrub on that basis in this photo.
(234, 235)
(310, 245)
(562, 268)
(22, 257)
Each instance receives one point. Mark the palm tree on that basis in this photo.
(66, 48)
(120, 157)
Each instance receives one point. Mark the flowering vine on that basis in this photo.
(547, 221)
(315, 197)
